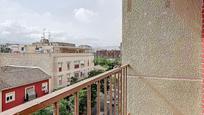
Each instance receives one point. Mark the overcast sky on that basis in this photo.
(93, 22)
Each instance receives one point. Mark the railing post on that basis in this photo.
(98, 98)
(105, 96)
(120, 92)
(76, 104)
(56, 108)
(111, 91)
(89, 100)
(124, 92)
(115, 81)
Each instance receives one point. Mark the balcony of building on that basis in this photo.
(114, 97)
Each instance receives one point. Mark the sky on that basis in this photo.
(93, 22)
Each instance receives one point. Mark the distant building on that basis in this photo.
(108, 53)
(21, 84)
(61, 66)
(9, 48)
(88, 49)
(45, 46)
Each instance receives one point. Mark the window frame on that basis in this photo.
(46, 86)
(8, 95)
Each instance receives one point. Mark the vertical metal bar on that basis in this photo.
(89, 100)
(118, 89)
(115, 81)
(98, 98)
(124, 92)
(111, 91)
(105, 96)
(56, 108)
(126, 89)
(76, 104)
(120, 92)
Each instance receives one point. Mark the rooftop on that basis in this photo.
(11, 76)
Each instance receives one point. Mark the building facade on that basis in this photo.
(162, 44)
(61, 66)
(21, 84)
(108, 53)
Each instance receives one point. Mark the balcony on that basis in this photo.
(115, 96)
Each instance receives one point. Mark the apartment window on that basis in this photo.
(45, 86)
(88, 63)
(76, 64)
(60, 80)
(82, 63)
(68, 78)
(30, 93)
(76, 74)
(10, 97)
(22, 48)
(82, 74)
(68, 65)
(60, 66)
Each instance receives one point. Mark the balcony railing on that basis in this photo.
(115, 79)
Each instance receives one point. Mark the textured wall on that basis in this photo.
(161, 40)
(154, 96)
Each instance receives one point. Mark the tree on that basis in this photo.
(73, 80)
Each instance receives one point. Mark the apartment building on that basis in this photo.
(61, 66)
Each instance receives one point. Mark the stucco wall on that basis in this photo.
(153, 96)
(162, 40)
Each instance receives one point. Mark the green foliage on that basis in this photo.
(63, 107)
(107, 63)
(46, 111)
(73, 80)
(94, 73)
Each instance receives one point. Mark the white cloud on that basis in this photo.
(84, 15)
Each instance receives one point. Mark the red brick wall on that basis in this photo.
(20, 94)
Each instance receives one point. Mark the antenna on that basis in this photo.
(44, 31)
(49, 36)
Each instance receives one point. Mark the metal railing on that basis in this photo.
(115, 79)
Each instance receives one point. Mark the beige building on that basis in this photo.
(162, 44)
(45, 46)
(61, 66)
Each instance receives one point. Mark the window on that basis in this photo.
(82, 63)
(30, 93)
(60, 80)
(22, 48)
(45, 86)
(59, 66)
(76, 64)
(68, 65)
(82, 74)
(76, 74)
(88, 63)
(10, 97)
(68, 78)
